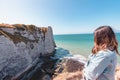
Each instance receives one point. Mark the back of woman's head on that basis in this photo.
(104, 38)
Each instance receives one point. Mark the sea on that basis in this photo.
(79, 43)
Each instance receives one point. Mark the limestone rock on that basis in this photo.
(69, 76)
(70, 68)
(20, 45)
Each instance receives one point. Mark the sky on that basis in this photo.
(64, 16)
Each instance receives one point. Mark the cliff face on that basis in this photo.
(20, 45)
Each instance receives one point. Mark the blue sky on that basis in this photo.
(65, 16)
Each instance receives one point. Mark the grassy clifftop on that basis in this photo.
(23, 27)
(18, 29)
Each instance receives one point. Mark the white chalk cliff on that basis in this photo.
(20, 45)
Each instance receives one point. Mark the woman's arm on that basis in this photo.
(96, 66)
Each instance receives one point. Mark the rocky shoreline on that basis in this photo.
(29, 52)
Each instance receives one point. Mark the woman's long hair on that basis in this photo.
(104, 38)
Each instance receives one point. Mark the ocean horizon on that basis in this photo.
(79, 43)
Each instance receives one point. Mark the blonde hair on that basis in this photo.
(104, 38)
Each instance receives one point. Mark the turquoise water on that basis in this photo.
(78, 43)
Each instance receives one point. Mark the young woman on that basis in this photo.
(102, 62)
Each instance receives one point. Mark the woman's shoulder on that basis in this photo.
(106, 53)
(103, 54)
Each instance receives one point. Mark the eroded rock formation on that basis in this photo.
(20, 45)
